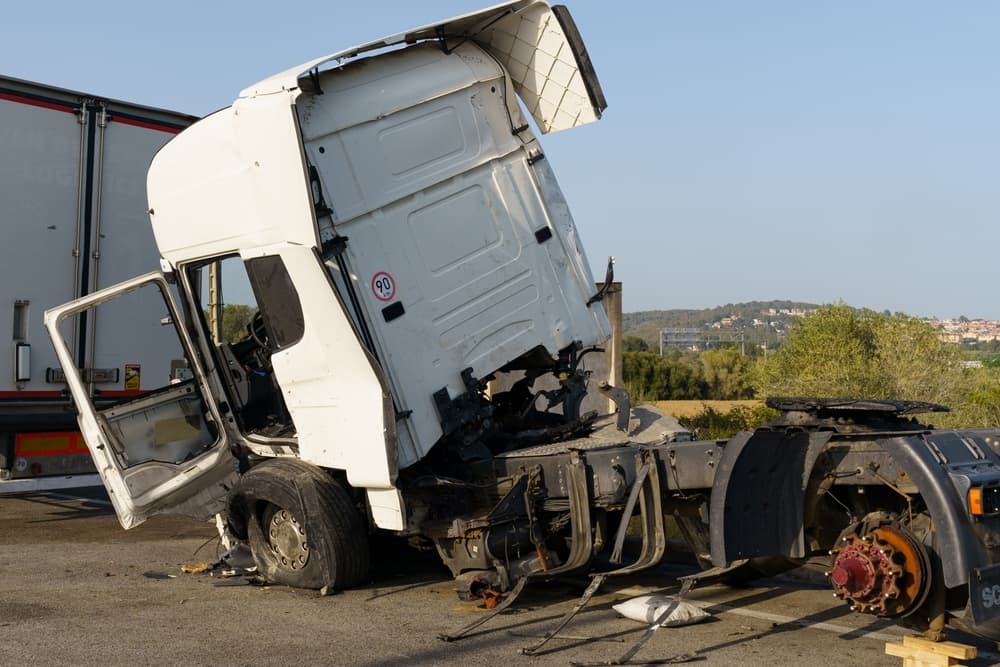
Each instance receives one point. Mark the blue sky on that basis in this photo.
(768, 150)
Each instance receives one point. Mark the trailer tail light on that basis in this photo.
(984, 501)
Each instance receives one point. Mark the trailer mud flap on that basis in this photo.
(757, 500)
(984, 594)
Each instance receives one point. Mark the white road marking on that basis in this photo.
(715, 607)
(801, 622)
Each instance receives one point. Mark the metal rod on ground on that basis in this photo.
(518, 587)
(582, 638)
(595, 584)
(623, 660)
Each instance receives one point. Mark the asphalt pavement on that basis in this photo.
(78, 590)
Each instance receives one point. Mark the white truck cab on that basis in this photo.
(386, 218)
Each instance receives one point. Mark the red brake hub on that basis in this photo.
(884, 572)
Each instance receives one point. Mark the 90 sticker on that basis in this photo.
(383, 286)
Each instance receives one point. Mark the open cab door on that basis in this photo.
(158, 441)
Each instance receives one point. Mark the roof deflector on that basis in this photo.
(539, 46)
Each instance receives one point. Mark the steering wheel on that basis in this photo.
(257, 331)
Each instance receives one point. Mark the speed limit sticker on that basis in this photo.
(383, 286)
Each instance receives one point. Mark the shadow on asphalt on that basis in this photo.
(67, 507)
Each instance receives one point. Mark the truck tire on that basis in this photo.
(302, 526)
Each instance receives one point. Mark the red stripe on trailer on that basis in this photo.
(53, 393)
(45, 104)
(148, 124)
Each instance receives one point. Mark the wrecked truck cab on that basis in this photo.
(405, 205)
(389, 217)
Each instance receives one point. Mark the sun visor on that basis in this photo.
(539, 46)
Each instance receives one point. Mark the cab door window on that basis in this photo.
(243, 343)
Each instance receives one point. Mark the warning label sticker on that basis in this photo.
(132, 376)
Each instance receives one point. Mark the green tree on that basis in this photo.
(646, 375)
(830, 352)
(634, 344)
(845, 353)
(686, 379)
(726, 374)
(913, 364)
(235, 318)
(673, 376)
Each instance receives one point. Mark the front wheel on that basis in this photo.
(303, 529)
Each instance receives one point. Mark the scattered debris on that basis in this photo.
(237, 562)
(491, 598)
(647, 608)
(239, 556)
(195, 568)
(158, 575)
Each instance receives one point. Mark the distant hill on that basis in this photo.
(758, 321)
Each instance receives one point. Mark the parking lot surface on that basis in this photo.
(78, 590)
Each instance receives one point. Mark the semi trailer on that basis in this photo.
(415, 358)
(72, 210)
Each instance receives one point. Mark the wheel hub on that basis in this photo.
(884, 572)
(287, 540)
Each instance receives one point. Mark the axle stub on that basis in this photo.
(881, 570)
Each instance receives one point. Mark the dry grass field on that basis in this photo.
(682, 409)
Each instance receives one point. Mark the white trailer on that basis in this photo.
(73, 213)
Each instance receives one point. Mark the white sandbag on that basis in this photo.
(647, 608)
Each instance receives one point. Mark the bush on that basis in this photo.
(711, 424)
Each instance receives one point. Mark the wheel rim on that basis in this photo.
(885, 572)
(287, 539)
